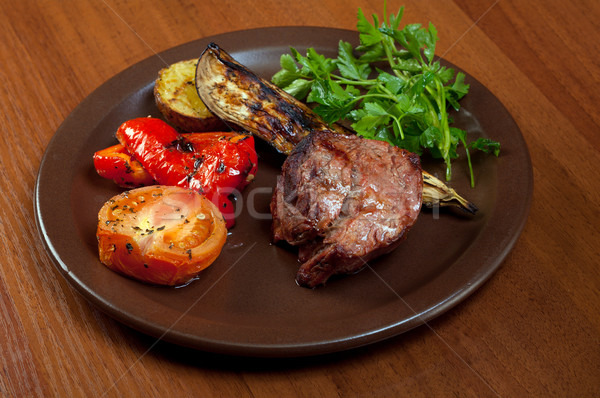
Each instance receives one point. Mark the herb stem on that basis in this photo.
(342, 80)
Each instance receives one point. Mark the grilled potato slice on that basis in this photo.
(177, 99)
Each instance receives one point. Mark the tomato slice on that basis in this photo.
(158, 234)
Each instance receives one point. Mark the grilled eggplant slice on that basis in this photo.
(177, 99)
(237, 95)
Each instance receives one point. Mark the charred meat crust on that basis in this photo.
(344, 200)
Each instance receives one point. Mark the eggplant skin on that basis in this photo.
(238, 96)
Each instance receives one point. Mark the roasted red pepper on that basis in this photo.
(214, 164)
(116, 164)
(228, 160)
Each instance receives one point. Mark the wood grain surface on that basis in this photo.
(532, 330)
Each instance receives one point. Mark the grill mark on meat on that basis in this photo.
(344, 200)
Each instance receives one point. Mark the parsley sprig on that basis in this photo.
(389, 88)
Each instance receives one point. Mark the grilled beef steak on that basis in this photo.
(344, 200)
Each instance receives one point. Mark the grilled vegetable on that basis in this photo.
(176, 98)
(436, 193)
(239, 96)
(116, 164)
(214, 164)
(160, 235)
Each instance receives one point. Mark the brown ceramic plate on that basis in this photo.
(247, 302)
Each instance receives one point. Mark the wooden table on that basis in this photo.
(532, 330)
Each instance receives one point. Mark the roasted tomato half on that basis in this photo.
(160, 234)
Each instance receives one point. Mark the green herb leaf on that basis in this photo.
(334, 102)
(369, 35)
(349, 66)
(486, 145)
(287, 63)
(299, 88)
(430, 39)
(406, 104)
(431, 138)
